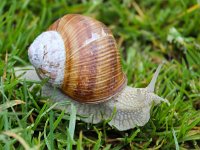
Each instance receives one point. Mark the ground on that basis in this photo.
(147, 33)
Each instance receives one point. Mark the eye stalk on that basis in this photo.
(151, 86)
(47, 55)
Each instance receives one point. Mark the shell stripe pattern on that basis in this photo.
(93, 71)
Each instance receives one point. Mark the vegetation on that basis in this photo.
(147, 33)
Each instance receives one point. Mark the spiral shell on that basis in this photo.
(92, 69)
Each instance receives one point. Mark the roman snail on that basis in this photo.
(79, 56)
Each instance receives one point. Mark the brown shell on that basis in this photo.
(93, 71)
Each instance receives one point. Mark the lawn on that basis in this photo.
(148, 32)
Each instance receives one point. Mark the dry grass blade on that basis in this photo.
(9, 104)
(19, 138)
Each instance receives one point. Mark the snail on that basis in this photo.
(79, 56)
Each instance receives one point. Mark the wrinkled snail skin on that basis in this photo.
(79, 56)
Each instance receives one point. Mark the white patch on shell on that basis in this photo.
(47, 54)
(95, 36)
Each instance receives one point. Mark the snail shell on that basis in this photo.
(79, 54)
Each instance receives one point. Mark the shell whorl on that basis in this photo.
(92, 72)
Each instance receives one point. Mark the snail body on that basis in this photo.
(79, 56)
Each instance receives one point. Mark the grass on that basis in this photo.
(147, 33)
